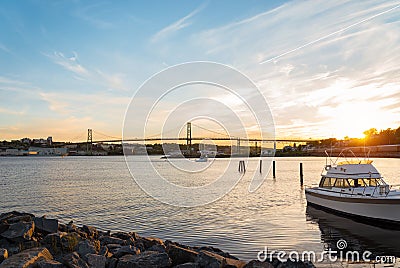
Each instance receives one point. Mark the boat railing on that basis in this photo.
(343, 155)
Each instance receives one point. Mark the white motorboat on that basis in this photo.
(356, 188)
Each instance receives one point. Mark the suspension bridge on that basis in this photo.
(213, 135)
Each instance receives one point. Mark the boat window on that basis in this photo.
(359, 183)
(372, 182)
(326, 183)
(342, 183)
(351, 182)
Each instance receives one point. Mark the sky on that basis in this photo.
(325, 68)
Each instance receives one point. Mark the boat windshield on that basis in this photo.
(347, 183)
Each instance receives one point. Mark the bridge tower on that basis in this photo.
(89, 143)
(188, 136)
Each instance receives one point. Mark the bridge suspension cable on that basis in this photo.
(213, 131)
(105, 135)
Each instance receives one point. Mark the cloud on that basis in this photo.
(335, 68)
(176, 26)
(113, 81)
(4, 48)
(70, 64)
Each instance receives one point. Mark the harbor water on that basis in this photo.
(100, 191)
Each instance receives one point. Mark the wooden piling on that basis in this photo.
(301, 174)
(260, 166)
(273, 169)
(242, 166)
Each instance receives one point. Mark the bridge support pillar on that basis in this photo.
(89, 143)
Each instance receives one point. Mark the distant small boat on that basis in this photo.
(356, 188)
(202, 159)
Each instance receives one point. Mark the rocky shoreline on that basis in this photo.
(30, 241)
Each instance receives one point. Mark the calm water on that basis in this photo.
(100, 191)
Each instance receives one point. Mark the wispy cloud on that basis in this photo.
(69, 63)
(4, 48)
(356, 42)
(176, 26)
(112, 81)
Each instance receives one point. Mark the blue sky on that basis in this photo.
(66, 66)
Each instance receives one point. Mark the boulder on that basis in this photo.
(96, 261)
(86, 247)
(180, 255)
(26, 258)
(70, 241)
(122, 235)
(258, 264)
(111, 262)
(3, 254)
(188, 265)
(13, 217)
(49, 264)
(125, 250)
(29, 244)
(71, 227)
(20, 231)
(158, 248)
(217, 251)
(72, 260)
(210, 260)
(90, 231)
(53, 243)
(3, 227)
(105, 240)
(24, 217)
(46, 226)
(148, 259)
(150, 241)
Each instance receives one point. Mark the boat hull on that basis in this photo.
(377, 209)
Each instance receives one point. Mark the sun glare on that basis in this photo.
(352, 119)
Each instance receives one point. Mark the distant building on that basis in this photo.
(39, 141)
(49, 140)
(26, 140)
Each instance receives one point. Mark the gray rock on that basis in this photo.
(70, 241)
(210, 260)
(180, 255)
(148, 259)
(3, 227)
(150, 241)
(188, 265)
(29, 244)
(105, 240)
(158, 248)
(19, 232)
(104, 251)
(111, 262)
(53, 243)
(26, 258)
(122, 235)
(86, 247)
(96, 261)
(72, 260)
(125, 250)
(14, 216)
(49, 264)
(3, 254)
(43, 225)
(15, 219)
(258, 264)
(71, 227)
(90, 230)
